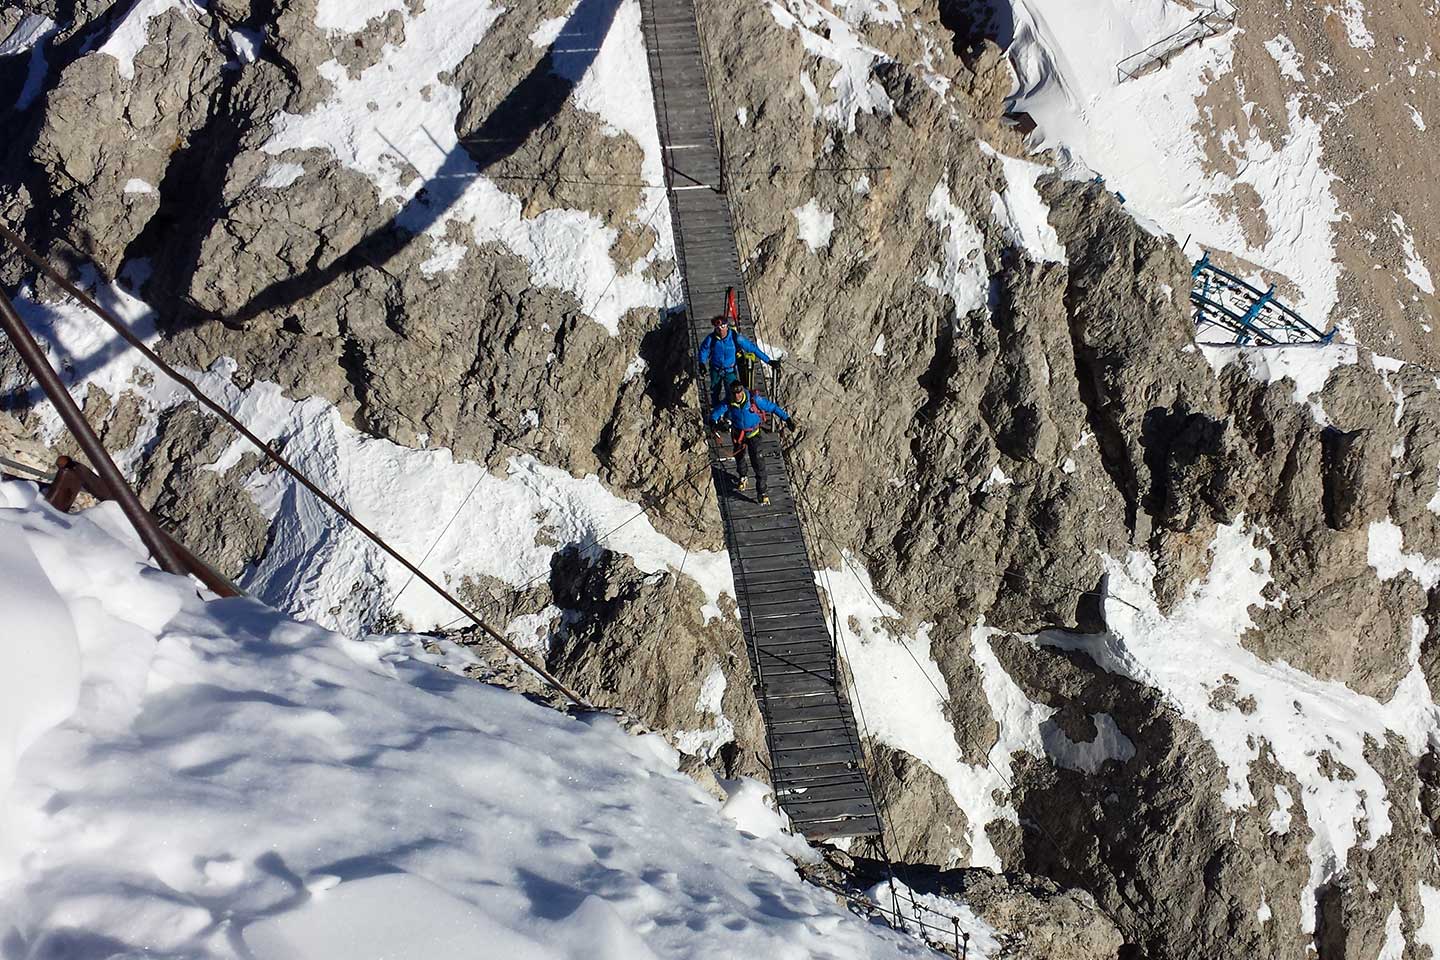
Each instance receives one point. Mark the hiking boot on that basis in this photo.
(742, 483)
(764, 499)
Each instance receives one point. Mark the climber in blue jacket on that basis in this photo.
(719, 350)
(747, 415)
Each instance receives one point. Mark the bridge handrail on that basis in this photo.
(1229, 14)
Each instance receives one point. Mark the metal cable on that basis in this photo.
(284, 464)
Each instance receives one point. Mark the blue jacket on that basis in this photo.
(743, 418)
(721, 353)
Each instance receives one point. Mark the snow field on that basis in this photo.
(1145, 135)
(230, 783)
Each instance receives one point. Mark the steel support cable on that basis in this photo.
(887, 823)
(281, 462)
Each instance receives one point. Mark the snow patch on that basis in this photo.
(854, 89)
(1386, 554)
(963, 276)
(1281, 816)
(132, 33)
(707, 743)
(1286, 56)
(1415, 268)
(815, 225)
(136, 185)
(395, 123)
(1142, 135)
(1021, 212)
(1352, 15)
(943, 912)
(471, 522)
(1307, 366)
(222, 761)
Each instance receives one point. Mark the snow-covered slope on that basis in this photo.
(211, 779)
(1150, 137)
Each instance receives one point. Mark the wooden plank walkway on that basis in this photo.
(814, 747)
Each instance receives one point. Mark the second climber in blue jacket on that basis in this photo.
(719, 350)
(747, 415)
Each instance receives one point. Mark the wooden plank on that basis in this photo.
(812, 811)
(798, 684)
(783, 715)
(837, 791)
(774, 544)
(862, 827)
(810, 756)
(796, 560)
(818, 738)
(806, 650)
(758, 586)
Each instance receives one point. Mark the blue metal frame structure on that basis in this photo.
(1253, 315)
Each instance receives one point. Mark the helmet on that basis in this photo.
(719, 320)
(737, 389)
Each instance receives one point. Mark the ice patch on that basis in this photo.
(245, 43)
(1087, 756)
(815, 225)
(280, 175)
(31, 30)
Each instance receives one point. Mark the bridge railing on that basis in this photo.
(1212, 20)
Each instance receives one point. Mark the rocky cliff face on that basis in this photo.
(1168, 611)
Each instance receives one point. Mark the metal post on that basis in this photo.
(30, 352)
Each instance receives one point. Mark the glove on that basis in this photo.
(791, 424)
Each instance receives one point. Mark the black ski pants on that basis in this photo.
(750, 447)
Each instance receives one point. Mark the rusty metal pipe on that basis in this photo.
(150, 533)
